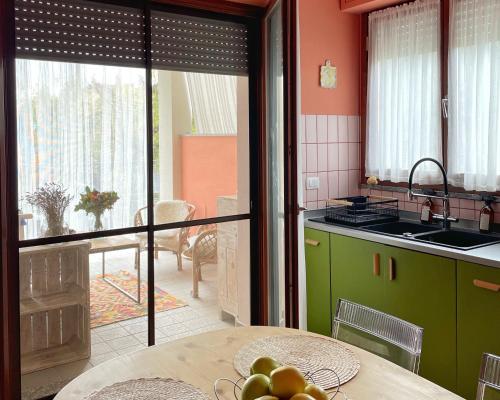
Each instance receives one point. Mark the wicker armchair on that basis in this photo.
(174, 240)
(202, 250)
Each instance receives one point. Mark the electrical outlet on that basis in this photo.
(312, 182)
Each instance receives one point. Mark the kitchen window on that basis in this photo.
(474, 93)
(403, 121)
(414, 60)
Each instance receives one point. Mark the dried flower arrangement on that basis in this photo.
(52, 200)
(95, 202)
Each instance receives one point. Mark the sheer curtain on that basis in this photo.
(213, 103)
(403, 120)
(474, 95)
(82, 125)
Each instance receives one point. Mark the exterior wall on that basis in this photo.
(330, 151)
(209, 169)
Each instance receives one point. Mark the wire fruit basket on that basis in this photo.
(237, 385)
(362, 210)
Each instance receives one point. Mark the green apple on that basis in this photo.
(316, 392)
(255, 386)
(287, 381)
(301, 396)
(263, 365)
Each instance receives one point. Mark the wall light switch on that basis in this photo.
(312, 182)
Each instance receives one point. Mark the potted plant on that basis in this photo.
(52, 200)
(95, 202)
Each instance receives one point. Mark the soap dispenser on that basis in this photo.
(426, 211)
(486, 216)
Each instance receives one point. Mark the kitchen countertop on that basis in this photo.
(487, 255)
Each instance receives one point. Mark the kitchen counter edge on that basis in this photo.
(487, 255)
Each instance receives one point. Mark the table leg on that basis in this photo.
(136, 299)
(138, 266)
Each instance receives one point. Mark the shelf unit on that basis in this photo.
(54, 305)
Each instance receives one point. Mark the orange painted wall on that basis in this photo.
(328, 33)
(209, 169)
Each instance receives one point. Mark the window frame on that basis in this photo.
(444, 27)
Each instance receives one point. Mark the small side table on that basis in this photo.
(115, 243)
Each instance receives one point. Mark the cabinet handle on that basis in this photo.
(486, 285)
(392, 269)
(376, 264)
(312, 242)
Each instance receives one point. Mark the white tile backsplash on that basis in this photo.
(330, 151)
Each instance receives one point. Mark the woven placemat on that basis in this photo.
(307, 353)
(149, 389)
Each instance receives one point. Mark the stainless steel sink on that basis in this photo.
(459, 239)
(404, 228)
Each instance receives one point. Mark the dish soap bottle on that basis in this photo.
(486, 216)
(426, 211)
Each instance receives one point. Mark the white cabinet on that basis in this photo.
(227, 258)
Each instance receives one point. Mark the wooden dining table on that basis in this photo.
(201, 359)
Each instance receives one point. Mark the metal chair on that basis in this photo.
(385, 335)
(489, 375)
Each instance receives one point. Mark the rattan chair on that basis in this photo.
(489, 375)
(385, 335)
(202, 250)
(174, 240)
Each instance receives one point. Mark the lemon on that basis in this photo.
(286, 381)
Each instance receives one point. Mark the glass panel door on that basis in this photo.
(91, 263)
(276, 164)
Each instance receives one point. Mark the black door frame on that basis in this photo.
(10, 377)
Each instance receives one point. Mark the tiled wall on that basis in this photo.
(460, 208)
(331, 152)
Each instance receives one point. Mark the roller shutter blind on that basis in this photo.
(187, 43)
(80, 31)
(92, 32)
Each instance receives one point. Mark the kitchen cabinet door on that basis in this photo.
(317, 252)
(355, 275)
(478, 328)
(421, 289)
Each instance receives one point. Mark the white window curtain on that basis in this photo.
(213, 103)
(82, 125)
(403, 114)
(474, 95)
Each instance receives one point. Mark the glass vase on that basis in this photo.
(98, 222)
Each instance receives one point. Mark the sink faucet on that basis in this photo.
(445, 217)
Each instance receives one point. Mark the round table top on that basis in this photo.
(201, 359)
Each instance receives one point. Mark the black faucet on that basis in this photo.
(445, 217)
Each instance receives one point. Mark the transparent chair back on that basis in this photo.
(489, 378)
(385, 335)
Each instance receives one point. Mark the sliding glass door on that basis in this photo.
(282, 205)
(136, 166)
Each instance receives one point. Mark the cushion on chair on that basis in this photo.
(167, 211)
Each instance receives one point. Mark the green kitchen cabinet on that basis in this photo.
(417, 287)
(353, 276)
(420, 288)
(478, 322)
(317, 253)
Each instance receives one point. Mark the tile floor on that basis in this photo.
(200, 315)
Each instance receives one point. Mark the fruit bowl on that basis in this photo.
(277, 383)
